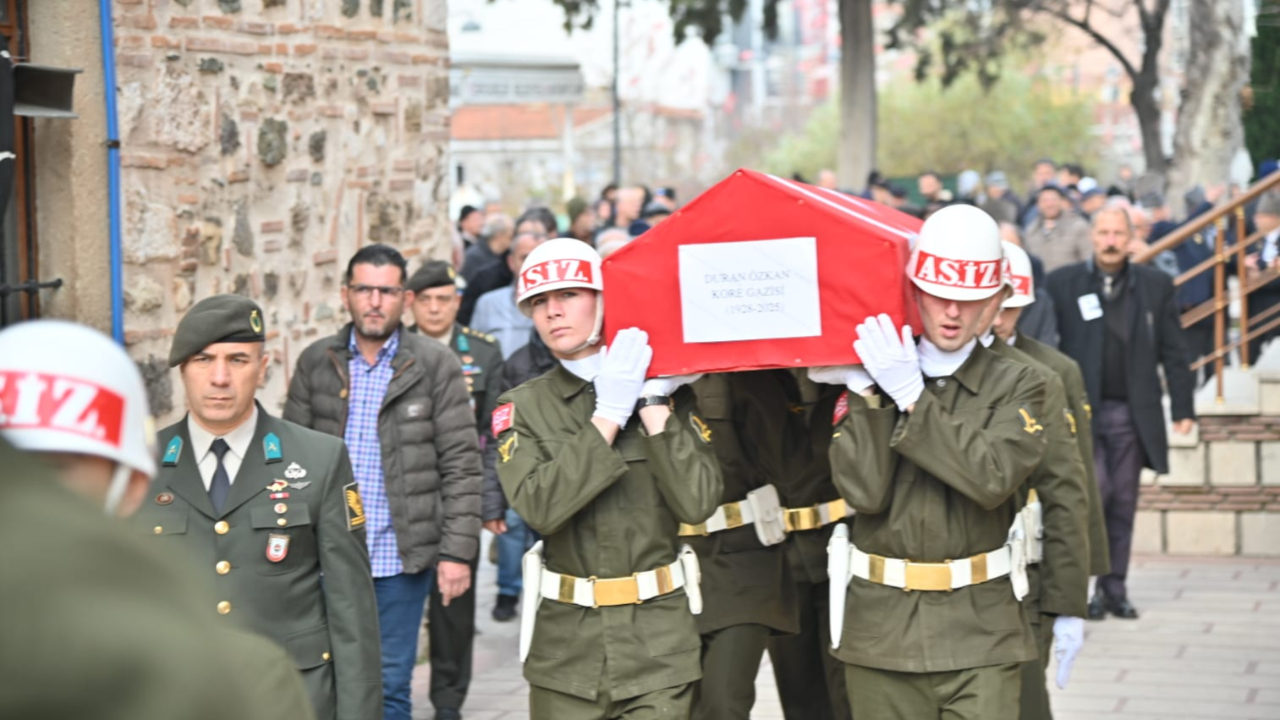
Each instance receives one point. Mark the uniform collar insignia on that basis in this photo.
(173, 451)
(271, 448)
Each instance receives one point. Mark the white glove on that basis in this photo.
(668, 384)
(1068, 638)
(622, 369)
(854, 377)
(890, 359)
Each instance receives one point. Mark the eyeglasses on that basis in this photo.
(367, 291)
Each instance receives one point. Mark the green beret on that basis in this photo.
(433, 274)
(217, 319)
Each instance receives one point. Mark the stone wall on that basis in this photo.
(1222, 493)
(263, 142)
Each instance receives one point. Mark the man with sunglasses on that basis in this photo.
(400, 402)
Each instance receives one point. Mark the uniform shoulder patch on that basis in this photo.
(701, 428)
(507, 449)
(842, 409)
(1030, 424)
(504, 416)
(355, 506)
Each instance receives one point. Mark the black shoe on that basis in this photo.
(448, 714)
(1122, 608)
(1098, 607)
(505, 610)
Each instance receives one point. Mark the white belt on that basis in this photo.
(944, 576)
(608, 592)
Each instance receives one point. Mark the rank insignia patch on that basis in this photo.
(699, 427)
(277, 547)
(271, 448)
(355, 506)
(508, 448)
(173, 451)
(1071, 420)
(1031, 425)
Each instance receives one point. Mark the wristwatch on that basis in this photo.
(649, 400)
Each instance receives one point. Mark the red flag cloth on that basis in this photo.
(761, 287)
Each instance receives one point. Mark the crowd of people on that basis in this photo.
(655, 536)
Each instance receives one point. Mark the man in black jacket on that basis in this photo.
(1119, 321)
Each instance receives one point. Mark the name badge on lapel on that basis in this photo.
(277, 547)
(1090, 307)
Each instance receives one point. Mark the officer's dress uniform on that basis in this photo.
(810, 679)
(747, 589)
(293, 512)
(606, 512)
(451, 630)
(938, 484)
(1059, 583)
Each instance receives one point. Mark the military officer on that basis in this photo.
(1054, 606)
(810, 679)
(930, 447)
(264, 507)
(607, 485)
(75, 400)
(451, 629)
(747, 589)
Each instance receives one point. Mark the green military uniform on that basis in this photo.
(1059, 584)
(293, 513)
(451, 630)
(747, 589)
(99, 624)
(606, 511)
(810, 679)
(929, 486)
(1078, 402)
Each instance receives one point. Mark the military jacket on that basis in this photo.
(293, 513)
(1078, 402)
(1060, 581)
(606, 511)
(809, 480)
(481, 359)
(755, 435)
(936, 484)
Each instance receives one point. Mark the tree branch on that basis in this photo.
(1098, 37)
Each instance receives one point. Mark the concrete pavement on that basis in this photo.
(1206, 647)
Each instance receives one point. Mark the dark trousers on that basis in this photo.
(810, 679)
(1118, 457)
(1034, 704)
(730, 662)
(400, 601)
(451, 632)
(1199, 341)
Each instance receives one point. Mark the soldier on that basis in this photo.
(748, 592)
(451, 629)
(810, 679)
(75, 399)
(615, 636)
(933, 471)
(1053, 607)
(264, 507)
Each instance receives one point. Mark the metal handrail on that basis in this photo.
(1216, 307)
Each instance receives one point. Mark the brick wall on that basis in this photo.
(1245, 428)
(263, 142)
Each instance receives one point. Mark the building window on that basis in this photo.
(18, 261)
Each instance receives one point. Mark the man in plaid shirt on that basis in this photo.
(400, 402)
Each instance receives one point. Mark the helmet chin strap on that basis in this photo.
(115, 491)
(596, 331)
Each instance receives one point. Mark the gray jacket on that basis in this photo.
(430, 455)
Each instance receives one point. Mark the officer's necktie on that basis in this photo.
(220, 487)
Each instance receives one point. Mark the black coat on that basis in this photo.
(1155, 338)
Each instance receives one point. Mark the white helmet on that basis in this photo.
(558, 264)
(68, 388)
(958, 255)
(1019, 270)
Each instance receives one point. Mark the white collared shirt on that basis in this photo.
(238, 440)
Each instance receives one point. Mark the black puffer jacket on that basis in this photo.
(525, 364)
(430, 452)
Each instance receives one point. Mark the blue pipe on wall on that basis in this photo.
(113, 170)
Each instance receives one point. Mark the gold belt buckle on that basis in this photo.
(612, 592)
(800, 519)
(930, 577)
(687, 530)
(566, 589)
(732, 515)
